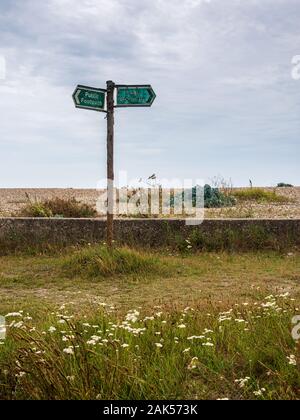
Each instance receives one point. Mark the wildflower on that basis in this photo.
(242, 382)
(91, 342)
(13, 315)
(18, 324)
(69, 350)
(52, 329)
(224, 318)
(125, 346)
(182, 326)
(208, 344)
(187, 309)
(292, 360)
(193, 364)
(196, 337)
(132, 316)
(186, 350)
(284, 295)
(259, 393)
(159, 345)
(20, 374)
(149, 318)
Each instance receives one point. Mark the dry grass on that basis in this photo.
(246, 352)
(188, 278)
(57, 207)
(253, 339)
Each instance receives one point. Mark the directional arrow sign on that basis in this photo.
(135, 96)
(90, 98)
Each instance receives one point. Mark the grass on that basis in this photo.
(161, 356)
(253, 237)
(99, 261)
(57, 207)
(130, 335)
(235, 238)
(259, 195)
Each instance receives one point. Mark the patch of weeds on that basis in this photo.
(244, 353)
(58, 207)
(251, 238)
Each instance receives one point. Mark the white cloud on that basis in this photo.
(221, 71)
(2, 68)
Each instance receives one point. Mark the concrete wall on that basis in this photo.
(149, 232)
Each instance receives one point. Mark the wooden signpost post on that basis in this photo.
(104, 101)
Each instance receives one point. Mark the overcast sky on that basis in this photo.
(226, 101)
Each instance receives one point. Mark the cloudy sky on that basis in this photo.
(222, 70)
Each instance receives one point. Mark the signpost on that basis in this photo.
(89, 98)
(135, 96)
(104, 101)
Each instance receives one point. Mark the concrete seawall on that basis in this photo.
(150, 232)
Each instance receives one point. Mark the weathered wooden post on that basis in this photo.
(110, 162)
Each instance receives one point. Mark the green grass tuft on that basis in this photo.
(99, 261)
(259, 195)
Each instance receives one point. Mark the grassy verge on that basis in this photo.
(158, 326)
(233, 237)
(246, 352)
